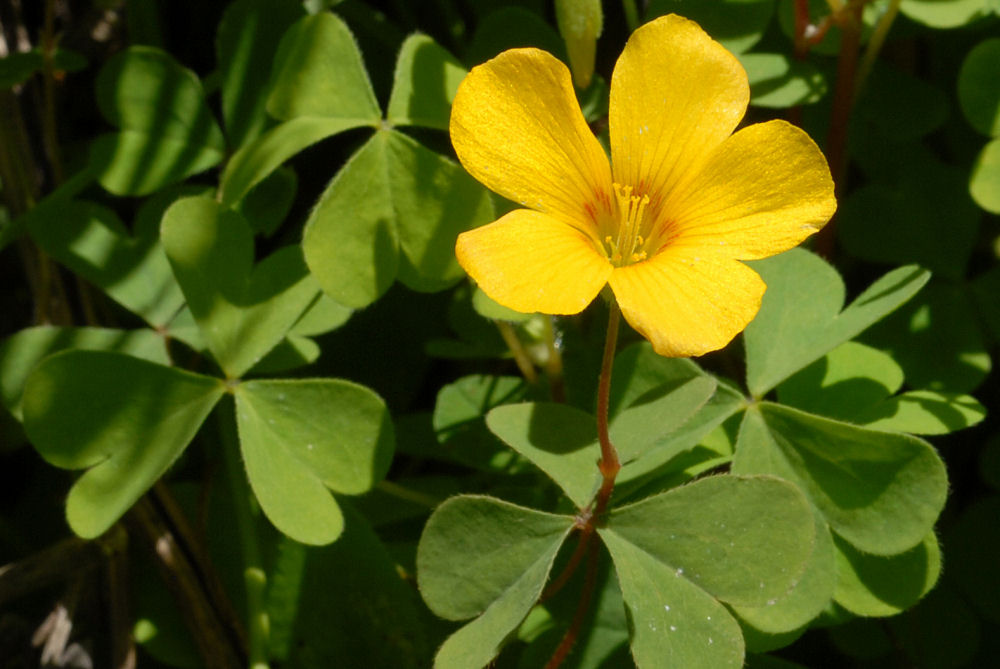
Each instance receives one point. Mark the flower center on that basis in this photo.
(628, 246)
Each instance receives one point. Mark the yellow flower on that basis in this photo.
(667, 223)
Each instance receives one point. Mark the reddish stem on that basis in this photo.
(569, 639)
(609, 467)
(840, 116)
(609, 464)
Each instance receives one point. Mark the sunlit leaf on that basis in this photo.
(302, 439)
(480, 556)
(243, 311)
(166, 129)
(124, 419)
(801, 318)
(880, 491)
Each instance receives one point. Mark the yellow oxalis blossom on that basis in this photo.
(666, 224)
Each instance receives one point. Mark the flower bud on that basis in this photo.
(580, 23)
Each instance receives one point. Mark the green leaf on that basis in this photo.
(268, 203)
(882, 492)
(808, 598)
(944, 13)
(800, 318)
(319, 72)
(425, 82)
(844, 383)
(874, 585)
(510, 28)
(459, 418)
(167, 131)
(258, 158)
(559, 439)
(671, 620)
(898, 106)
(323, 316)
(640, 371)
(778, 81)
(480, 555)
(562, 441)
(125, 419)
(326, 618)
(20, 352)
(744, 540)
(909, 216)
(736, 25)
(489, 308)
(245, 50)
(936, 339)
(242, 314)
(924, 412)
(984, 182)
(291, 352)
(978, 91)
(303, 438)
(395, 208)
(91, 240)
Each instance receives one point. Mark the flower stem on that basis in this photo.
(554, 364)
(255, 580)
(609, 464)
(589, 583)
(840, 116)
(524, 363)
(875, 43)
(588, 517)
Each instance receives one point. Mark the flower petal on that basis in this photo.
(675, 95)
(528, 261)
(763, 191)
(518, 129)
(686, 304)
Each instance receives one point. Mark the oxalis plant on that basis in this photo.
(329, 346)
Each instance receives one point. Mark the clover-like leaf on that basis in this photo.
(337, 604)
(924, 412)
(92, 241)
(805, 291)
(562, 440)
(480, 556)
(880, 491)
(937, 339)
(302, 439)
(459, 413)
(425, 82)
(736, 25)
(319, 73)
(20, 352)
(166, 129)
(745, 540)
(777, 80)
(984, 183)
(671, 620)
(125, 419)
(875, 585)
(259, 158)
(807, 600)
(245, 46)
(242, 311)
(848, 380)
(394, 210)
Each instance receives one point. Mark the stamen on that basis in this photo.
(630, 242)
